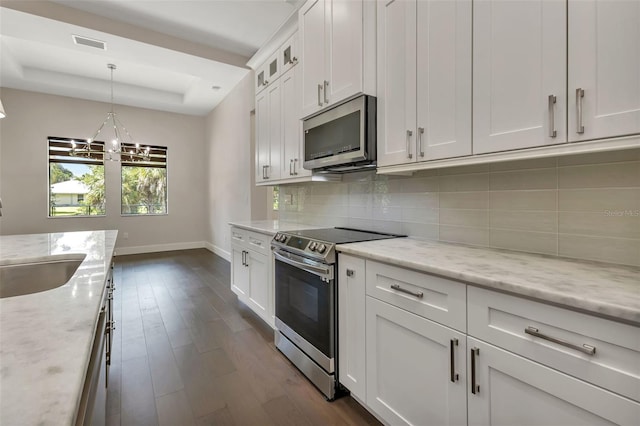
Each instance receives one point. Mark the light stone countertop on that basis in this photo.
(603, 289)
(46, 337)
(270, 227)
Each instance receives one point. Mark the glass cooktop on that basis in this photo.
(342, 235)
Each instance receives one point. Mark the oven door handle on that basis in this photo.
(316, 270)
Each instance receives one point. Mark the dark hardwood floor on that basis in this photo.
(186, 352)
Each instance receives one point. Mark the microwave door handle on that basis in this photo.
(316, 270)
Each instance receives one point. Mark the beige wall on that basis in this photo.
(32, 117)
(232, 194)
(582, 206)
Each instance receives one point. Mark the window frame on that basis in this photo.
(49, 161)
(165, 165)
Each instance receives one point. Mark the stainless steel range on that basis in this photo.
(306, 299)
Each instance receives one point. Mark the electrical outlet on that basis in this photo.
(125, 235)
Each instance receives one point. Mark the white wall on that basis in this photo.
(232, 195)
(32, 117)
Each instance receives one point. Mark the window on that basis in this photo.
(276, 198)
(144, 181)
(76, 177)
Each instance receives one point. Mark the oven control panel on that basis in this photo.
(313, 248)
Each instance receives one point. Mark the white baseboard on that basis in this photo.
(217, 250)
(123, 251)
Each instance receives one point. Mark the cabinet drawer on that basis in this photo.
(238, 236)
(260, 243)
(559, 338)
(432, 297)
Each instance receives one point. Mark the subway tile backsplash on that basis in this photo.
(582, 206)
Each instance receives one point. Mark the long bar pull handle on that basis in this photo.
(295, 162)
(243, 264)
(326, 92)
(420, 149)
(579, 96)
(587, 349)
(319, 95)
(246, 258)
(552, 122)
(417, 294)
(265, 173)
(291, 167)
(475, 387)
(452, 344)
(409, 134)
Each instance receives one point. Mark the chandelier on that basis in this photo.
(122, 144)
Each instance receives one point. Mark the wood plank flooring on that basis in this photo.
(186, 352)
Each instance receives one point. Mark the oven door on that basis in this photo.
(305, 305)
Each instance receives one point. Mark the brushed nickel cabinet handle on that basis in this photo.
(326, 90)
(319, 95)
(475, 388)
(587, 349)
(420, 149)
(453, 375)
(295, 162)
(417, 294)
(409, 134)
(552, 122)
(291, 167)
(579, 96)
(350, 272)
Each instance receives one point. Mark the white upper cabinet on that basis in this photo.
(604, 68)
(424, 80)
(268, 133)
(337, 45)
(291, 126)
(289, 53)
(396, 82)
(444, 79)
(519, 74)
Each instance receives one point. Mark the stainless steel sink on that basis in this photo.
(34, 277)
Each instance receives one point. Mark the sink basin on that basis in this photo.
(34, 277)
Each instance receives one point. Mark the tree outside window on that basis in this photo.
(144, 182)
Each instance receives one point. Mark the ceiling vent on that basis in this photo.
(89, 42)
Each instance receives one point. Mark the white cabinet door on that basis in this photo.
(292, 126)
(444, 79)
(396, 82)
(275, 131)
(351, 325)
(289, 55)
(262, 135)
(311, 19)
(604, 62)
(511, 390)
(239, 272)
(519, 62)
(344, 49)
(410, 377)
(259, 282)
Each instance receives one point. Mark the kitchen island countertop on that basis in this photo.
(46, 338)
(608, 290)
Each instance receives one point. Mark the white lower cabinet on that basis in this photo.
(416, 372)
(512, 390)
(519, 362)
(351, 325)
(252, 272)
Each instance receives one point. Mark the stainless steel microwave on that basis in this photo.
(342, 139)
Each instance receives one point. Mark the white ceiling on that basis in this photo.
(38, 54)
